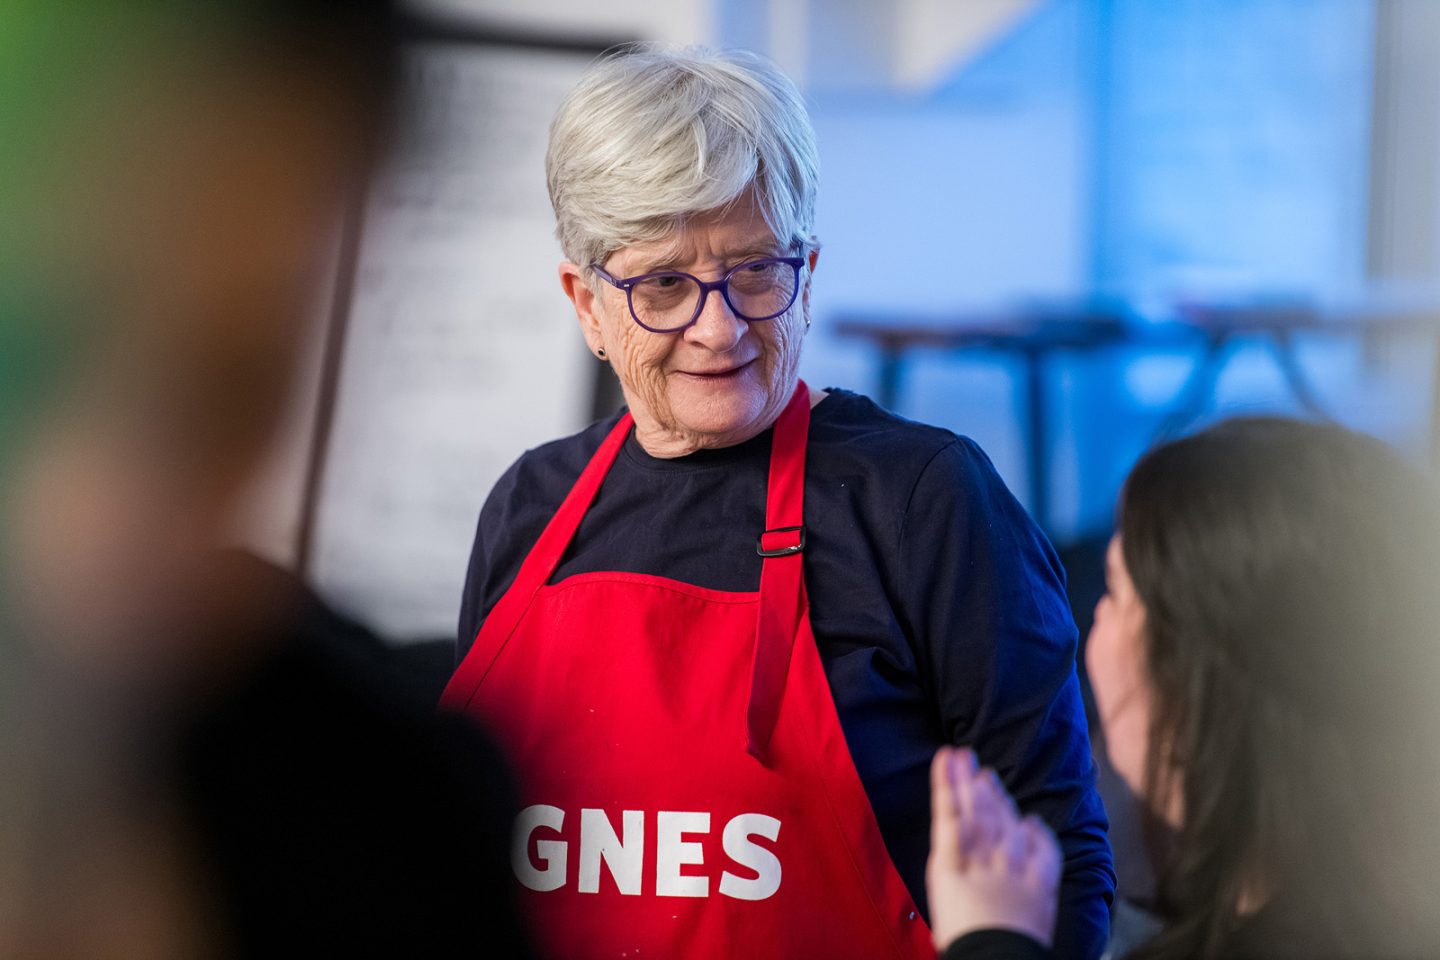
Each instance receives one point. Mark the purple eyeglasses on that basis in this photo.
(671, 301)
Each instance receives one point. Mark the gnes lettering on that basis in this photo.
(541, 852)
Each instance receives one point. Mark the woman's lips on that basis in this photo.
(726, 374)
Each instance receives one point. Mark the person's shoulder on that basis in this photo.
(851, 431)
(578, 447)
(556, 463)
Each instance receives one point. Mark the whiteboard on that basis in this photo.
(460, 351)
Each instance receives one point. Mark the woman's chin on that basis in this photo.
(723, 416)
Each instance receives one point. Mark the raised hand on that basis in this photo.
(989, 868)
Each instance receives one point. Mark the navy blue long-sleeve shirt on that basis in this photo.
(938, 607)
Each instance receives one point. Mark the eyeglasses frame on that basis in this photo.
(628, 285)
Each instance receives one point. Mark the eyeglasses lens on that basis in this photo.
(666, 302)
(761, 290)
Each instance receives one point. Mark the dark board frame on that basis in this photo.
(415, 31)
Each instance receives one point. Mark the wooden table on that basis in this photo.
(1033, 336)
(1277, 324)
(1037, 335)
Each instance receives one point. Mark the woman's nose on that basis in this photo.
(717, 327)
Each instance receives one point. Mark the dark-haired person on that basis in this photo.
(199, 759)
(1265, 666)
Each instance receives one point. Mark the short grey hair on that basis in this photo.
(653, 135)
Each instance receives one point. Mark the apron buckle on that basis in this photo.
(781, 542)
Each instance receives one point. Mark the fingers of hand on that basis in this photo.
(944, 815)
(1004, 804)
(991, 812)
(1042, 852)
(974, 821)
(1017, 847)
(962, 769)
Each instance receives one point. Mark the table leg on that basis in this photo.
(1283, 346)
(1198, 388)
(1435, 409)
(892, 374)
(1037, 446)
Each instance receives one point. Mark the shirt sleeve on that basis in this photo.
(495, 558)
(983, 595)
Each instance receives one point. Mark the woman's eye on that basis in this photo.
(667, 282)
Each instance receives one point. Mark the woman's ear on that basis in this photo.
(572, 281)
(812, 258)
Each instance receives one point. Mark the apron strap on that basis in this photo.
(536, 571)
(782, 572)
(782, 599)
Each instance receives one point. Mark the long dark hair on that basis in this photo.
(1290, 574)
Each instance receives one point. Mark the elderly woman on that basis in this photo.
(723, 633)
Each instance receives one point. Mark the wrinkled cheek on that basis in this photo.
(784, 349)
(640, 367)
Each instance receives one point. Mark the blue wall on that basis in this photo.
(1232, 139)
(1146, 149)
(965, 199)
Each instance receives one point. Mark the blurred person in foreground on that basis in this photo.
(1265, 666)
(200, 759)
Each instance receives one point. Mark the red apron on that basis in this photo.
(687, 787)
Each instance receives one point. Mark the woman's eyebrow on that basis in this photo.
(657, 262)
(731, 259)
(666, 260)
(759, 248)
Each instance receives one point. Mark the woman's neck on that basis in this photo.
(669, 442)
(663, 443)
